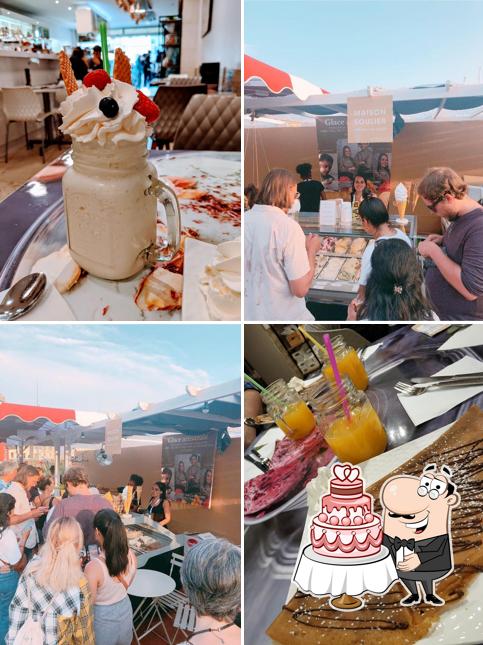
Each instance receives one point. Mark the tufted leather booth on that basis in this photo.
(172, 101)
(210, 122)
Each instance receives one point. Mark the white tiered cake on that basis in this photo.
(346, 527)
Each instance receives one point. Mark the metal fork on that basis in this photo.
(416, 389)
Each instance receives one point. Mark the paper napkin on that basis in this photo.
(467, 337)
(430, 405)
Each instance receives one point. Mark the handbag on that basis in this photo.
(31, 632)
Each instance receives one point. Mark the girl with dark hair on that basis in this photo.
(159, 507)
(326, 162)
(347, 165)
(383, 172)
(250, 194)
(375, 222)
(109, 577)
(359, 190)
(11, 555)
(395, 287)
(207, 482)
(180, 479)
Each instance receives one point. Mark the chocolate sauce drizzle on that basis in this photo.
(466, 528)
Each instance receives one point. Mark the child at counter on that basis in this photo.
(395, 287)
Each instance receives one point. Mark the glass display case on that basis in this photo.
(338, 265)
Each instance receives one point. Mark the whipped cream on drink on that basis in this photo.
(84, 121)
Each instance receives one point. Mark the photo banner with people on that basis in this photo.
(340, 162)
(188, 468)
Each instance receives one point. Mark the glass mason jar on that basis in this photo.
(354, 440)
(348, 362)
(110, 197)
(288, 410)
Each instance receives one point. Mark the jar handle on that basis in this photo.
(167, 197)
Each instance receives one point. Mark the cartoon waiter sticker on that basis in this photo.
(417, 529)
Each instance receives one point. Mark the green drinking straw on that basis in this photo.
(261, 389)
(105, 51)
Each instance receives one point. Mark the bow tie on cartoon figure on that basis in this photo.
(417, 523)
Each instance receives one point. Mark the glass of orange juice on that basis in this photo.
(289, 411)
(348, 363)
(356, 439)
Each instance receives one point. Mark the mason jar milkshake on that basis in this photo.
(111, 190)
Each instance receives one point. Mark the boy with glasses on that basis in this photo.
(454, 279)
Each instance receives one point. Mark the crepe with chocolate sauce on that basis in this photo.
(308, 620)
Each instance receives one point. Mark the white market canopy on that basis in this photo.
(214, 408)
(448, 102)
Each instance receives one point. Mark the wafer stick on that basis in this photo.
(67, 73)
(122, 67)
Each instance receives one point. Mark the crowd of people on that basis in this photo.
(66, 565)
(440, 280)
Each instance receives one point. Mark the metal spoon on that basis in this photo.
(22, 296)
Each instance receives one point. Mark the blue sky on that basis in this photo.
(349, 44)
(113, 367)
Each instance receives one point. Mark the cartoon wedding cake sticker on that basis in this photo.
(353, 550)
(417, 530)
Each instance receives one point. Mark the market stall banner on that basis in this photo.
(113, 436)
(369, 119)
(340, 160)
(188, 468)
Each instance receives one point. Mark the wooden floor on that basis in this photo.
(21, 166)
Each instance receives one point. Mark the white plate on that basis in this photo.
(266, 449)
(463, 622)
(96, 299)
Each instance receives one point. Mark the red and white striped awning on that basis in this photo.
(15, 417)
(278, 81)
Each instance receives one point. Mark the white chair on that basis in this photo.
(23, 105)
(185, 617)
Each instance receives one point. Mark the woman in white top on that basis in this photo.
(375, 222)
(109, 576)
(11, 555)
(279, 258)
(24, 517)
(211, 578)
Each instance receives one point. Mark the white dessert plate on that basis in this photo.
(218, 174)
(463, 622)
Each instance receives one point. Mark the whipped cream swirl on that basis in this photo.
(221, 282)
(84, 122)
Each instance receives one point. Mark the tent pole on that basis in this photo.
(57, 465)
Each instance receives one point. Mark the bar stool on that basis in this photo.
(151, 586)
(22, 105)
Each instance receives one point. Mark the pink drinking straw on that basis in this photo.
(338, 380)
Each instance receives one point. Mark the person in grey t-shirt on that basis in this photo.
(454, 279)
(81, 504)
